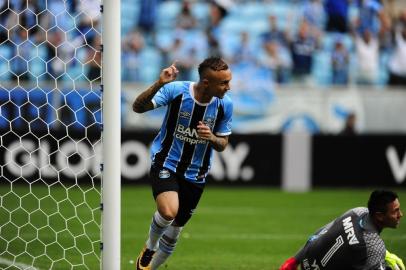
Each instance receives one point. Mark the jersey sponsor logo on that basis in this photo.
(164, 174)
(349, 230)
(188, 134)
(313, 266)
(306, 264)
(185, 114)
(191, 132)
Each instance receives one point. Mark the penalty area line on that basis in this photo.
(21, 266)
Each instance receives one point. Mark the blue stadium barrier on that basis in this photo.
(38, 107)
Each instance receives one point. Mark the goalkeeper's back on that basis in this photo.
(350, 242)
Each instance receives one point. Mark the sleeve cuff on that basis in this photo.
(154, 103)
(223, 133)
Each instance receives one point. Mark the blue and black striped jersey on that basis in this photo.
(177, 146)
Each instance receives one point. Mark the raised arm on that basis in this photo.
(143, 102)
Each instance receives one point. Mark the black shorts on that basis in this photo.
(189, 193)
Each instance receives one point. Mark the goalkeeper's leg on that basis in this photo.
(167, 245)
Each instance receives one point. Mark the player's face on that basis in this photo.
(218, 82)
(393, 215)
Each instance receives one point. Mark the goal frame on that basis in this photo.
(111, 134)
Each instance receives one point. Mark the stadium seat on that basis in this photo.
(201, 11)
(322, 67)
(37, 67)
(129, 15)
(167, 12)
(251, 11)
(148, 72)
(165, 37)
(5, 54)
(328, 41)
(383, 69)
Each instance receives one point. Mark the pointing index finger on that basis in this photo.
(173, 66)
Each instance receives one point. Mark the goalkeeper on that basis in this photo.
(352, 241)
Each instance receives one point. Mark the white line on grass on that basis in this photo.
(251, 236)
(245, 236)
(265, 236)
(21, 266)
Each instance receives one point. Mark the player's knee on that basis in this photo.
(168, 213)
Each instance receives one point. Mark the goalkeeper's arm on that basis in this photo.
(393, 261)
(293, 262)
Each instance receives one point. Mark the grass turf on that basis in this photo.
(233, 228)
(236, 228)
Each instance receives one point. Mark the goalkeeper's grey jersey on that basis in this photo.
(350, 242)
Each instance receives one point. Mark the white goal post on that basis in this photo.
(111, 135)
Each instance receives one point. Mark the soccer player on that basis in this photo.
(352, 241)
(198, 119)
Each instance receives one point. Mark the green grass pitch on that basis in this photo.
(245, 228)
(233, 228)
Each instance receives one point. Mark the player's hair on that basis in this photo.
(379, 199)
(214, 63)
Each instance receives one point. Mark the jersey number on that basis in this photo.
(339, 242)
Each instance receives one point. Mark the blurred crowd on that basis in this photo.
(333, 42)
(325, 42)
(50, 40)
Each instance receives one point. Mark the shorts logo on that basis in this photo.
(164, 174)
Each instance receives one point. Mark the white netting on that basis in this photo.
(50, 127)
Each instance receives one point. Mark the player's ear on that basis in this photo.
(380, 216)
(205, 82)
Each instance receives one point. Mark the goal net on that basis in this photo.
(50, 127)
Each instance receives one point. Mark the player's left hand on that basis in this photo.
(204, 131)
(393, 261)
(289, 264)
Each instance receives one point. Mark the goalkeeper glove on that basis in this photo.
(289, 264)
(393, 261)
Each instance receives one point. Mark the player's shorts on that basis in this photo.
(189, 193)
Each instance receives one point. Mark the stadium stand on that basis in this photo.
(251, 17)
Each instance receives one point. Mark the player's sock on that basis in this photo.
(158, 226)
(166, 246)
